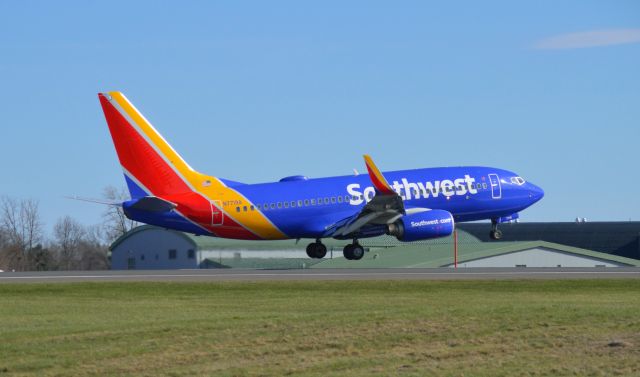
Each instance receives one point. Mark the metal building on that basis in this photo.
(149, 247)
(620, 238)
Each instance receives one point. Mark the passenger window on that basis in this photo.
(319, 201)
(237, 209)
(347, 198)
(479, 185)
(313, 202)
(279, 204)
(273, 205)
(286, 204)
(306, 202)
(333, 200)
(484, 185)
(299, 203)
(252, 208)
(339, 199)
(293, 204)
(326, 200)
(244, 208)
(265, 206)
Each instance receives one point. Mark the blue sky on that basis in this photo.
(254, 91)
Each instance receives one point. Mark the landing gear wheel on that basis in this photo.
(353, 252)
(348, 252)
(321, 251)
(357, 252)
(311, 250)
(316, 250)
(495, 233)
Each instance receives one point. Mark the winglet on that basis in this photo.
(379, 182)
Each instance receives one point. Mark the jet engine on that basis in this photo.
(435, 223)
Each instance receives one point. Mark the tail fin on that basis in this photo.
(151, 166)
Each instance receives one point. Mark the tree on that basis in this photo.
(115, 222)
(69, 236)
(94, 254)
(41, 259)
(22, 229)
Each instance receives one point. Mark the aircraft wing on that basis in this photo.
(384, 208)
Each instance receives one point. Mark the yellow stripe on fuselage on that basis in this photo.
(208, 186)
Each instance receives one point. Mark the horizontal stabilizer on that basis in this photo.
(151, 204)
(97, 201)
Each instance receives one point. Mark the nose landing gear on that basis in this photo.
(495, 233)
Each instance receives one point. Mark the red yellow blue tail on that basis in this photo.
(153, 168)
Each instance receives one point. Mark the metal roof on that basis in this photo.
(390, 252)
(620, 238)
(442, 255)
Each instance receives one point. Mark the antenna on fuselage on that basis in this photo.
(355, 171)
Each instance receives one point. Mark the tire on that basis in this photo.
(348, 252)
(321, 251)
(495, 234)
(311, 250)
(357, 252)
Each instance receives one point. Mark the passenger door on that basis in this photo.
(496, 188)
(217, 216)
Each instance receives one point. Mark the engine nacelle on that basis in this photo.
(435, 223)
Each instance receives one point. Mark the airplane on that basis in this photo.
(411, 205)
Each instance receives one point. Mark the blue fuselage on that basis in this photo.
(304, 208)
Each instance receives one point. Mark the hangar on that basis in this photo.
(620, 238)
(149, 247)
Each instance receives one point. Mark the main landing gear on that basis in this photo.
(495, 233)
(316, 250)
(352, 251)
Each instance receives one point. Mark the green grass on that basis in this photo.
(471, 328)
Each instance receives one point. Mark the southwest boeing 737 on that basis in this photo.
(411, 205)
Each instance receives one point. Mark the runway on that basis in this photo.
(321, 274)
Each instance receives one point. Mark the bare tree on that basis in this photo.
(115, 221)
(94, 254)
(22, 228)
(4, 263)
(69, 235)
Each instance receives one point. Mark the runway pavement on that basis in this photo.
(324, 274)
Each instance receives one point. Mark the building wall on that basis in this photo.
(620, 238)
(150, 249)
(539, 257)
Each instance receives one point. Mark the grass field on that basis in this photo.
(470, 328)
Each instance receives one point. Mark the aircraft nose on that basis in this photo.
(535, 192)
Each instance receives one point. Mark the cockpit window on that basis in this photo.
(518, 181)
